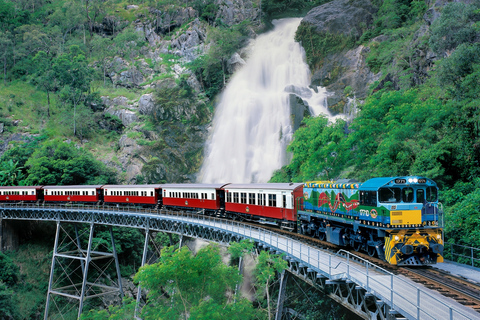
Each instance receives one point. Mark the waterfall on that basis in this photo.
(252, 126)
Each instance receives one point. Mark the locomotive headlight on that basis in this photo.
(410, 180)
(439, 236)
(415, 180)
(397, 238)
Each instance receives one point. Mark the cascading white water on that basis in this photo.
(252, 126)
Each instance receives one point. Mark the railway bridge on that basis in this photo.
(364, 288)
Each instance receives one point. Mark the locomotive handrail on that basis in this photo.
(385, 286)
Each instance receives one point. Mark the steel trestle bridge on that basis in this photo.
(364, 288)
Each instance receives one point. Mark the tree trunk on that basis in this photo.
(48, 103)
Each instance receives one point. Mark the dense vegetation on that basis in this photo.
(421, 118)
(418, 120)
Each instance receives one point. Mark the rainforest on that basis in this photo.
(116, 91)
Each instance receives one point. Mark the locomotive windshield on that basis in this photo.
(407, 195)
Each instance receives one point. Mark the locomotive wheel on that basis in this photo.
(321, 236)
(371, 251)
(357, 246)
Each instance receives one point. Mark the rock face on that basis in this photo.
(347, 69)
(342, 17)
(191, 43)
(232, 12)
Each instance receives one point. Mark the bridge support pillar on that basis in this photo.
(144, 259)
(281, 295)
(71, 264)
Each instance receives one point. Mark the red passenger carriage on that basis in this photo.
(21, 193)
(79, 193)
(149, 194)
(272, 203)
(199, 196)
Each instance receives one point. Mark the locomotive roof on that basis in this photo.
(98, 186)
(155, 186)
(195, 185)
(376, 183)
(268, 186)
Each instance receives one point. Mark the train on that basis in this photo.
(397, 219)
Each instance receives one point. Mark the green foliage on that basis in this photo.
(319, 151)
(8, 309)
(288, 8)
(199, 289)
(461, 71)
(239, 249)
(9, 272)
(211, 68)
(10, 173)
(464, 215)
(318, 45)
(454, 27)
(123, 312)
(60, 163)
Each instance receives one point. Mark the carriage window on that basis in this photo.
(368, 198)
(229, 197)
(389, 195)
(431, 194)
(251, 198)
(243, 197)
(151, 193)
(261, 199)
(284, 201)
(235, 197)
(272, 200)
(407, 195)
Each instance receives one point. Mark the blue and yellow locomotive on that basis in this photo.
(396, 218)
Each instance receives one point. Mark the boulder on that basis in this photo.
(235, 63)
(146, 104)
(126, 116)
(345, 17)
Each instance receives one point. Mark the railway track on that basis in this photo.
(461, 290)
(457, 288)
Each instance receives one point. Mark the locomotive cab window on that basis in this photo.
(420, 196)
(431, 194)
(390, 195)
(368, 198)
(407, 194)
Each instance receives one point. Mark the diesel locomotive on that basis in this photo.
(398, 219)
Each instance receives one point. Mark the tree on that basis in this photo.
(199, 289)
(73, 73)
(45, 77)
(104, 50)
(268, 266)
(10, 173)
(5, 52)
(61, 163)
(320, 151)
(454, 27)
(8, 311)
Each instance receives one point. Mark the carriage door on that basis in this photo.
(221, 199)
